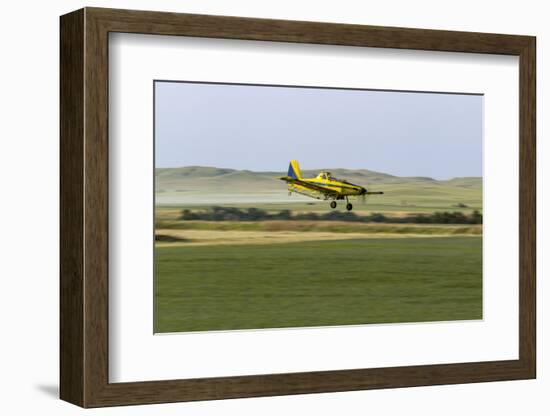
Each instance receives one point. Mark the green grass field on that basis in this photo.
(317, 283)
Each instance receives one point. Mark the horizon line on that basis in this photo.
(318, 170)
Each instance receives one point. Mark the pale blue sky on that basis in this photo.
(261, 128)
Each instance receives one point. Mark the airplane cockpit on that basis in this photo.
(328, 176)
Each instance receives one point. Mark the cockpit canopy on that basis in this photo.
(328, 176)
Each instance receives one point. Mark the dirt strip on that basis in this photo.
(217, 237)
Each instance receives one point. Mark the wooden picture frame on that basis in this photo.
(84, 207)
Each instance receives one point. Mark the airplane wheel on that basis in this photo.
(349, 207)
(333, 204)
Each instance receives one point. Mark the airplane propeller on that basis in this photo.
(363, 196)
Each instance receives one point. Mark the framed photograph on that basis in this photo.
(254, 207)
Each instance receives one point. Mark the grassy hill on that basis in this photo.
(203, 186)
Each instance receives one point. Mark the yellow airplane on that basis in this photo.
(324, 186)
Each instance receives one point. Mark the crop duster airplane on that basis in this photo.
(323, 186)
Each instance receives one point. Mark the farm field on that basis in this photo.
(317, 283)
(228, 272)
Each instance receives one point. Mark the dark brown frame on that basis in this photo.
(84, 208)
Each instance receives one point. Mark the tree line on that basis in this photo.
(217, 213)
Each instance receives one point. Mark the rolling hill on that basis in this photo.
(200, 185)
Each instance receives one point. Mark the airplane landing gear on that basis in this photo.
(349, 207)
(333, 204)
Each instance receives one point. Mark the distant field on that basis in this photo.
(200, 187)
(389, 202)
(317, 283)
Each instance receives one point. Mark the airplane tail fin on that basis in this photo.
(294, 170)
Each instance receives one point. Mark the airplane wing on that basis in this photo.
(308, 185)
